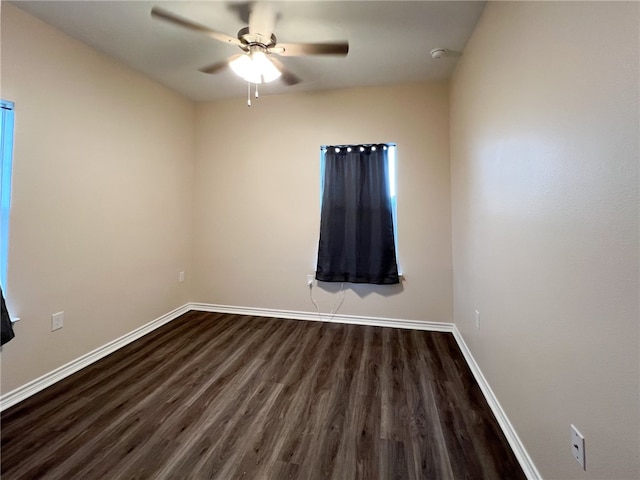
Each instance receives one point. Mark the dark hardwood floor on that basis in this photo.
(216, 396)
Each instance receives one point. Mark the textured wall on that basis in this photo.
(256, 210)
(544, 129)
(101, 207)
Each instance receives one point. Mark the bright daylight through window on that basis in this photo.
(358, 240)
(6, 150)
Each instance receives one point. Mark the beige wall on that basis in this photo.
(103, 200)
(545, 127)
(544, 179)
(256, 215)
(101, 208)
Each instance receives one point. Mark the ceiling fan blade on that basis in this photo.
(219, 66)
(161, 14)
(262, 20)
(298, 49)
(286, 75)
(242, 10)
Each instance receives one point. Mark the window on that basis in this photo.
(6, 150)
(358, 214)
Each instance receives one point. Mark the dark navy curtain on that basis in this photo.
(6, 327)
(357, 242)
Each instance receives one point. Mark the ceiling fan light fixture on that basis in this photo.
(243, 67)
(267, 69)
(255, 67)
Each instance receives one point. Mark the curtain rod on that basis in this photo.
(358, 145)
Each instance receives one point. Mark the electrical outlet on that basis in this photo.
(310, 279)
(577, 447)
(181, 277)
(57, 321)
(477, 319)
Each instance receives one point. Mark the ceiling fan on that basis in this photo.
(256, 63)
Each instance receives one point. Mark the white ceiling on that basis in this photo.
(389, 41)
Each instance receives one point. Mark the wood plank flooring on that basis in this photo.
(216, 396)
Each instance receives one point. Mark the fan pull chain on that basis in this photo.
(249, 93)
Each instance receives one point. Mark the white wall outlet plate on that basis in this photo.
(477, 317)
(181, 277)
(310, 279)
(577, 447)
(57, 321)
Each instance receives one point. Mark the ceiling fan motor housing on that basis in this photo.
(248, 39)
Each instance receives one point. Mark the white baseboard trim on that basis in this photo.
(512, 437)
(64, 371)
(33, 387)
(323, 317)
(516, 444)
